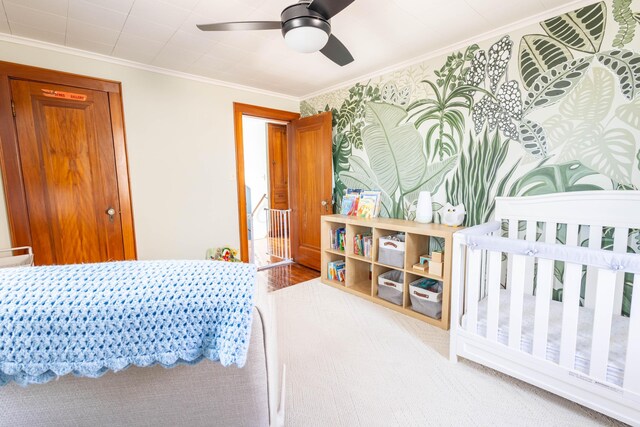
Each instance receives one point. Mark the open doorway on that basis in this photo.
(307, 191)
(267, 191)
(255, 202)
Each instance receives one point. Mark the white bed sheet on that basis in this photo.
(618, 341)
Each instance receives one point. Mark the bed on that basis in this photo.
(142, 390)
(545, 294)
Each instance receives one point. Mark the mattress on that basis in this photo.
(617, 345)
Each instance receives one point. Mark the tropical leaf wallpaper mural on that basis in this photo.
(552, 107)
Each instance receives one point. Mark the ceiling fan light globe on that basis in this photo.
(306, 39)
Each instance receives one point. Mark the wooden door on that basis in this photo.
(278, 166)
(310, 176)
(68, 164)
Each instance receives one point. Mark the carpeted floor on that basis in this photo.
(353, 363)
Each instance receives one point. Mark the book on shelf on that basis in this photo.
(336, 271)
(362, 244)
(369, 204)
(349, 204)
(350, 201)
(337, 238)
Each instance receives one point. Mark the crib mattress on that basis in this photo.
(617, 346)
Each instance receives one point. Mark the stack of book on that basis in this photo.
(362, 244)
(336, 271)
(364, 204)
(337, 239)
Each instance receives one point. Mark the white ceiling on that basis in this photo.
(162, 33)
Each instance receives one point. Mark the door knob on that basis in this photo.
(325, 204)
(111, 212)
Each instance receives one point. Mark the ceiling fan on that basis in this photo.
(306, 28)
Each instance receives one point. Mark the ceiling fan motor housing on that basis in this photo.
(299, 15)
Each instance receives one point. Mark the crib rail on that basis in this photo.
(482, 238)
(481, 270)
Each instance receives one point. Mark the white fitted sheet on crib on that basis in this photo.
(618, 341)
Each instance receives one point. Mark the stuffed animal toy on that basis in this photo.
(223, 254)
(453, 215)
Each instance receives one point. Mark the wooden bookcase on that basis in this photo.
(358, 268)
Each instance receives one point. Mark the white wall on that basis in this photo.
(181, 151)
(255, 169)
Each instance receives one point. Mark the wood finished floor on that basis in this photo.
(270, 245)
(286, 275)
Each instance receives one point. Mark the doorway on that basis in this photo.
(308, 181)
(64, 166)
(253, 198)
(267, 189)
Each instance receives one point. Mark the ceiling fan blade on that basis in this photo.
(241, 26)
(329, 8)
(337, 52)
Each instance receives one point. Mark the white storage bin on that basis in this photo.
(391, 250)
(391, 286)
(426, 288)
(427, 302)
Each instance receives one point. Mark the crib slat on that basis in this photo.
(602, 324)
(550, 230)
(513, 234)
(544, 293)
(632, 367)
(570, 311)
(570, 303)
(513, 228)
(493, 297)
(473, 289)
(595, 242)
(532, 229)
(517, 296)
(572, 235)
(620, 241)
(544, 289)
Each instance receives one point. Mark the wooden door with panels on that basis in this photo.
(70, 199)
(310, 178)
(278, 166)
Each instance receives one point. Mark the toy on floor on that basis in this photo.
(223, 254)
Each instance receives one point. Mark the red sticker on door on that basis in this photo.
(64, 95)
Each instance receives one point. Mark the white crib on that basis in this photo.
(502, 307)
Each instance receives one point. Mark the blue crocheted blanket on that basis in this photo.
(90, 318)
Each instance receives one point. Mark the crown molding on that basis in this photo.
(518, 25)
(138, 65)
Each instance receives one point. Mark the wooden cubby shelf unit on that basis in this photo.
(362, 272)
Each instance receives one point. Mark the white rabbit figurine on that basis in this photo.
(453, 215)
